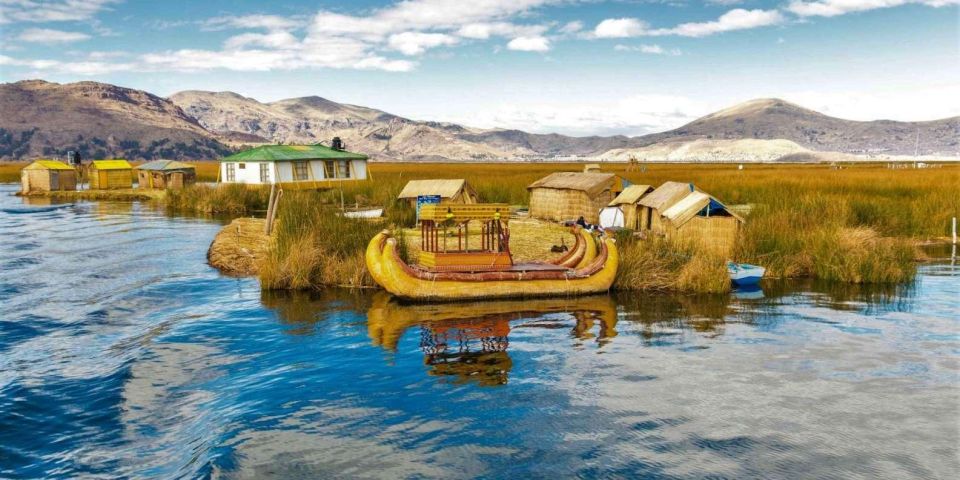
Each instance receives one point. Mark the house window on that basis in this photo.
(329, 169)
(300, 170)
(264, 173)
(343, 170)
(231, 173)
(243, 166)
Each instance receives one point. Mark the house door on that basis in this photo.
(54, 180)
(176, 180)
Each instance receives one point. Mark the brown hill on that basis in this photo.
(98, 120)
(772, 118)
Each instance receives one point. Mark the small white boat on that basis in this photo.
(742, 274)
(368, 213)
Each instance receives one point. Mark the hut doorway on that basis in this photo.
(54, 180)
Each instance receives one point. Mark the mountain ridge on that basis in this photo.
(99, 119)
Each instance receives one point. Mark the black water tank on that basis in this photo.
(336, 144)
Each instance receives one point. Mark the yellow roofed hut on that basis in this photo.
(629, 203)
(110, 175)
(47, 176)
(564, 196)
(163, 174)
(445, 190)
(691, 215)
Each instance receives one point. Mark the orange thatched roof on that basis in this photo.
(590, 182)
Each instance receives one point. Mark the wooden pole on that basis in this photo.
(273, 214)
(273, 191)
(954, 230)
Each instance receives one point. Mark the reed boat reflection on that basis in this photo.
(470, 341)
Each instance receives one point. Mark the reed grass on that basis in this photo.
(315, 246)
(233, 199)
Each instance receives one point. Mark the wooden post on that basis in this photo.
(954, 230)
(273, 212)
(273, 192)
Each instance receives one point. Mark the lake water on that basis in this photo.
(122, 354)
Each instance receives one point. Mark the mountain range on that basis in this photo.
(44, 119)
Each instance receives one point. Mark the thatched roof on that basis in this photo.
(445, 188)
(590, 182)
(631, 195)
(689, 206)
(666, 195)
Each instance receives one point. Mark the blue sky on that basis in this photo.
(576, 67)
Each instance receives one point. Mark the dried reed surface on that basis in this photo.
(240, 247)
(659, 264)
(127, 194)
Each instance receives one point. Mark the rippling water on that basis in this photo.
(122, 354)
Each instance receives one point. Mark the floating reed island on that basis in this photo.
(859, 224)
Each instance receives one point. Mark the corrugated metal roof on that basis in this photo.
(273, 153)
(666, 195)
(111, 165)
(631, 194)
(165, 165)
(445, 188)
(590, 182)
(48, 165)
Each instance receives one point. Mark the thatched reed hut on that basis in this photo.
(571, 195)
(653, 204)
(110, 175)
(450, 190)
(691, 215)
(629, 203)
(47, 176)
(164, 174)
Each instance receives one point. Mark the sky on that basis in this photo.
(577, 67)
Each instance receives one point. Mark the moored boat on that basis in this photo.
(487, 272)
(743, 274)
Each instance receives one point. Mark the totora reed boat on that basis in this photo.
(458, 272)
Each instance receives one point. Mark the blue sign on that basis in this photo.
(426, 200)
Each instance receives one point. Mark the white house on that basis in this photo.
(294, 166)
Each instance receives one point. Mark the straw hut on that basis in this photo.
(110, 175)
(47, 176)
(653, 204)
(570, 195)
(452, 190)
(700, 217)
(165, 174)
(628, 203)
(295, 166)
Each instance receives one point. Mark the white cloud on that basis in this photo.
(51, 10)
(736, 19)
(832, 8)
(415, 43)
(276, 40)
(529, 44)
(649, 49)
(572, 27)
(620, 28)
(483, 31)
(634, 115)
(907, 103)
(267, 22)
(86, 68)
(46, 35)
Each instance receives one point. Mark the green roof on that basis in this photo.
(273, 153)
(165, 165)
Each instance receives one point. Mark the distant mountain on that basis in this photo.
(101, 120)
(98, 120)
(771, 119)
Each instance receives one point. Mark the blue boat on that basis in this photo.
(742, 274)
